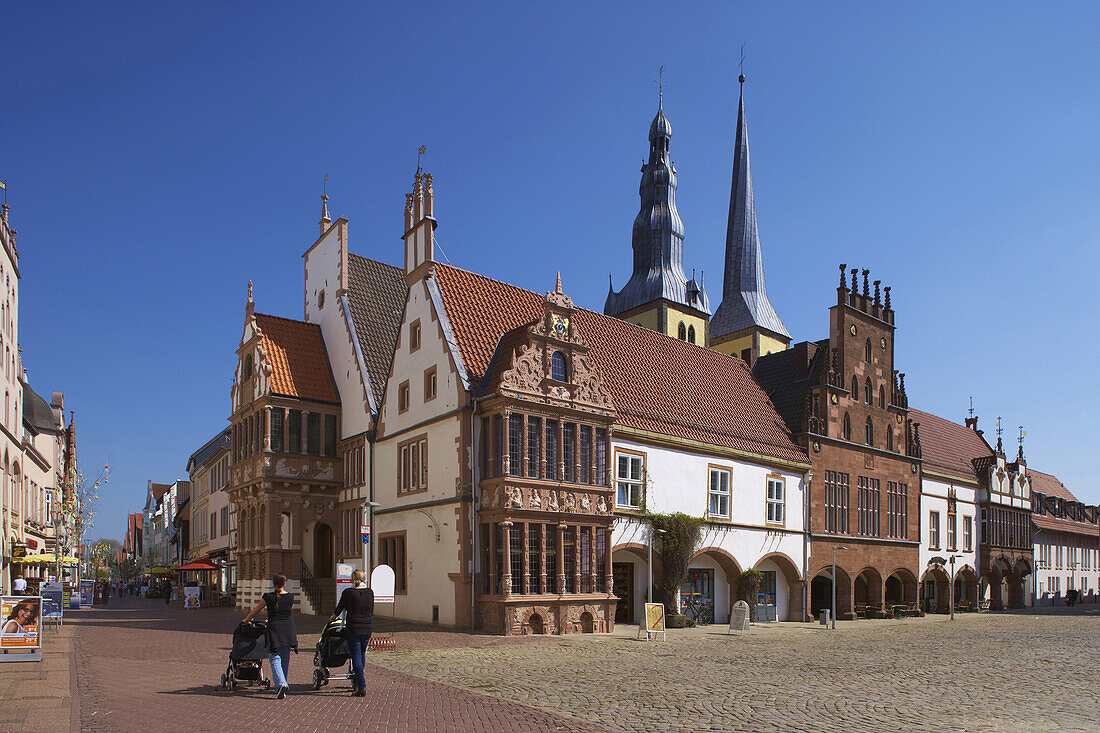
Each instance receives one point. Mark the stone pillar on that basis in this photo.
(525, 465)
(545, 535)
(560, 557)
(526, 537)
(505, 451)
(494, 538)
(592, 554)
(607, 559)
(560, 468)
(266, 429)
(506, 539)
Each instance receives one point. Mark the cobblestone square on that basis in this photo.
(140, 666)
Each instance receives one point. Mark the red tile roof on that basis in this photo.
(949, 447)
(299, 363)
(1044, 483)
(659, 384)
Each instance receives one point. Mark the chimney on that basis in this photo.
(802, 359)
(419, 226)
(842, 289)
(429, 195)
(972, 423)
(58, 400)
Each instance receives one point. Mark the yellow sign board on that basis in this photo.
(655, 618)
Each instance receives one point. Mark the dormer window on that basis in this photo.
(247, 372)
(558, 370)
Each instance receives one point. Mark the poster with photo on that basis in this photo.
(191, 597)
(19, 628)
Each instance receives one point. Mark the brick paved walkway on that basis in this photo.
(143, 667)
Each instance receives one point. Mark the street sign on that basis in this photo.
(364, 531)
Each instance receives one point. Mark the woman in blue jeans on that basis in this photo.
(357, 603)
(282, 636)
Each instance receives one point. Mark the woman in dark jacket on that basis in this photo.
(282, 636)
(357, 603)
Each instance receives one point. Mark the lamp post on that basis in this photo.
(951, 589)
(368, 507)
(832, 621)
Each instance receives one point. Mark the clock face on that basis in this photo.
(834, 399)
(561, 326)
(898, 418)
(882, 342)
(852, 329)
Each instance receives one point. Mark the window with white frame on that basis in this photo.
(776, 500)
(718, 495)
(630, 468)
(934, 530)
(967, 533)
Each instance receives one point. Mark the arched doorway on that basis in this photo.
(630, 578)
(713, 576)
(323, 551)
(868, 592)
(901, 588)
(935, 591)
(966, 587)
(821, 593)
(781, 588)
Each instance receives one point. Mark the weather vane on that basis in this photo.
(971, 405)
(324, 186)
(741, 66)
(422, 151)
(1023, 434)
(999, 429)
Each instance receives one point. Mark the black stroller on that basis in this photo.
(246, 657)
(331, 653)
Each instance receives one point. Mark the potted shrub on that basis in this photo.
(674, 543)
(748, 585)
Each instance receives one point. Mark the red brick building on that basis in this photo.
(845, 403)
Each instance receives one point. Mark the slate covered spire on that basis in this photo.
(745, 302)
(658, 237)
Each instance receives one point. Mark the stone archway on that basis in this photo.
(966, 586)
(630, 576)
(821, 589)
(901, 588)
(867, 592)
(727, 577)
(1016, 584)
(935, 590)
(324, 551)
(788, 574)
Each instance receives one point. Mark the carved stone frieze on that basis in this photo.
(527, 370)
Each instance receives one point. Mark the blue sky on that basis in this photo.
(159, 156)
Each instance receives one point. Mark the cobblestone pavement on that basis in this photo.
(144, 667)
(988, 672)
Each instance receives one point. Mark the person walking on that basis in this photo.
(282, 636)
(357, 603)
(167, 591)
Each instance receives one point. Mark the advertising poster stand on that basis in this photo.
(653, 622)
(53, 607)
(87, 590)
(383, 582)
(343, 578)
(20, 629)
(191, 597)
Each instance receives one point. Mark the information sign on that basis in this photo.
(87, 590)
(739, 618)
(364, 531)
(191, 598)
(20, 622)
(52, 606)
(382, 581)
(343, 578)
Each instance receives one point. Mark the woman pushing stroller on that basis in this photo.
(357, 604)
(282, 636)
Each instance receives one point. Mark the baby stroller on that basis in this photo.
(246, 657)
(331, 653)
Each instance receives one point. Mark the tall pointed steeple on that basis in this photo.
(658, 283)
(745, 321)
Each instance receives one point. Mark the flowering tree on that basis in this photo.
(78, 509)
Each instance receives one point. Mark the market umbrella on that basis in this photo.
(46, 557)
(69, 560)
(198, 565)
(161, 571)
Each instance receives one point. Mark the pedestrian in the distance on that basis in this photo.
(167, 591)
(282, 636)
(357, 603)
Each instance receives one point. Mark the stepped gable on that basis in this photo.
(658, 384)
(299, 364)
(949, 447)
(376, 299)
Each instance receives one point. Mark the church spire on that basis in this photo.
(658, 278)
(745, 309)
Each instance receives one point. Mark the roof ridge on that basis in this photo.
(377, 262)
(647, 331)
(289, 320)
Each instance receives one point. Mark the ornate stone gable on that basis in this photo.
(531, 375)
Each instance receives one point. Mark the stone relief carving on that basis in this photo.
(590, 386)
(552, 501)
(536, 499)
(601, 505)
(569, 501)
(586, 503)
(527, 370)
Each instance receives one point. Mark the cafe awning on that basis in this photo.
(198, 565)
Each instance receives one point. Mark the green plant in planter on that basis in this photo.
(675, 545)
(748, 585)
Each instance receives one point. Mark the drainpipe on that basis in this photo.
(371, 435)
(806, 479)
(475, 466)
